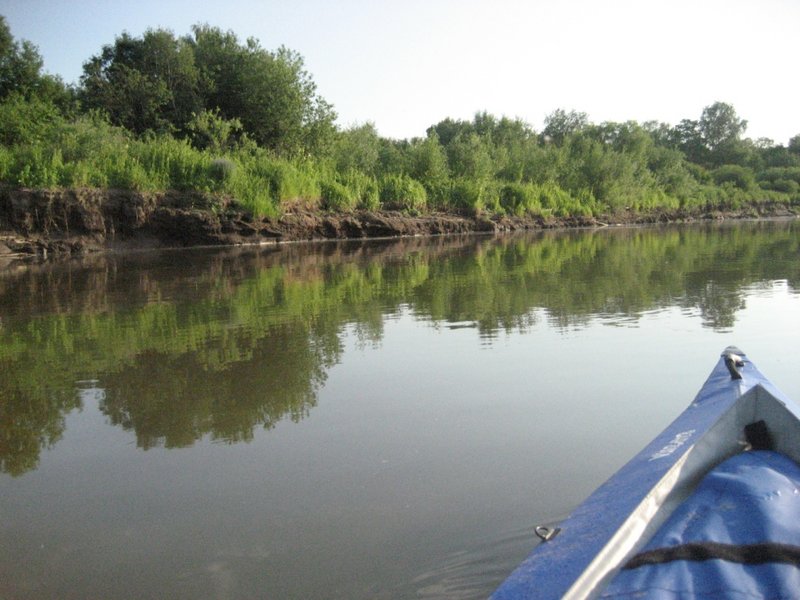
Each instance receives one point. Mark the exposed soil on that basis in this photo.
(69, 222)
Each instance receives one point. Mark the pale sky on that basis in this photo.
(407, 64)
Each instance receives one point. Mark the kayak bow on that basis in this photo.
(736, 410)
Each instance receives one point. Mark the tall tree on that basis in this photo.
(559, 124)
(21, 72)
(357, 148)
(270, 92)
(720, 125)
(147, 83)
(794, 144)
(721, 130)
(429, 161)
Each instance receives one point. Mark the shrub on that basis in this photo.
(520, 198)
(466, 196)
(6, 163)
(403, 193)
(363, 188)
(252, 193)
(221, 170)
(209, 130)
(337, 197)
(736, 175)
(780, 173)
(25, 121)
(787, 186)
(369, 198)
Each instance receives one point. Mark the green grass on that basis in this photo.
(41, 149)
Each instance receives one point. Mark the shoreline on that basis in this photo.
(73, 222)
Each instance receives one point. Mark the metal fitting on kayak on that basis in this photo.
(734, 362)
(545, 533)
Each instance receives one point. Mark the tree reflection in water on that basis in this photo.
(220, 342)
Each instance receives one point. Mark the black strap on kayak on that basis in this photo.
(750, 554)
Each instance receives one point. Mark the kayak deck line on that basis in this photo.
(734, 537)
(618, 519)
(751, 554)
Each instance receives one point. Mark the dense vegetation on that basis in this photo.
(211, 113)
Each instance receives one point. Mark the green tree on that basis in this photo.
(357, 148)
(721, 130)
(794, 145)
(270, 92)
(720, 125)
(393, 156)
(20, 64)
(560, 124)
(688, 138)
(448, 129)
(468, 156)
(429, 161)
(147, 83)
(21, 73)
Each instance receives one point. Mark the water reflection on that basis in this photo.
(182, 345)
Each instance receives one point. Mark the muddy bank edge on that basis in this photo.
(73, 222)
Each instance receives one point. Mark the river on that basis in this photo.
(385, 419)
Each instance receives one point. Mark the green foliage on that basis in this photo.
(21, 73)
(401, 192)
(221, 170)
(519, 199)
(794, 144)
(337, 197)
(364, 189)
(26, 121)
(209, 131)
(778, 173)
(467, 196)
(787, 186)
(720, 126)
(271, 93)
(739, 177)
(144, 84)
(211, 88)
(357, 149)
(428, 162)
(209, 113)
(468, 156)
(560, 124)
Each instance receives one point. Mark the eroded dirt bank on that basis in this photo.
(66, 222)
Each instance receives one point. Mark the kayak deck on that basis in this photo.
(735, 536)
(622, 516)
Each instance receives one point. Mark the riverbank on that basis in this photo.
(48, 223)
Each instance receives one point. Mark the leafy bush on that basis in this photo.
(736, 175)
(787, 186)
(403, 193)
(520, 199)
(337, 197)
(26, 121)
(369, 195)
(780, 173)
(221, 170)
(363, 188)
(208, 130)
(466, 196)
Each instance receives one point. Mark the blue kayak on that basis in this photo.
(709, 509)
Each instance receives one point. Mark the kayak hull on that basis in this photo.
(618, 519)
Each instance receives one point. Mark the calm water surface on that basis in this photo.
(382, 420)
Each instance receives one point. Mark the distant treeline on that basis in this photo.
(208, 112)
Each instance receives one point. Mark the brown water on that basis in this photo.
(379, 420)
